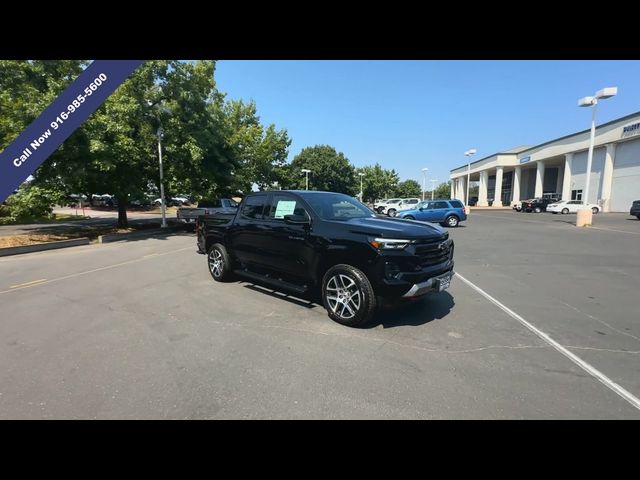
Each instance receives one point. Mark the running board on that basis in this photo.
(276, 282)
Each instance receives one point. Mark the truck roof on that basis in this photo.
(299, 192)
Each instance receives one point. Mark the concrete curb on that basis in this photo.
(43, 246)
(121, 237)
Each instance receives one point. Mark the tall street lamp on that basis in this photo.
(306, 172)
(433, 186)
(593, 102)
(361, 175)
(160, 134)
(164, 214)
(424, 181)
(468, 154)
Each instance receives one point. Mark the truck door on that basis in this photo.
(288, 248)
(247, 235)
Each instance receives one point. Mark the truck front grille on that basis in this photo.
(433, 253)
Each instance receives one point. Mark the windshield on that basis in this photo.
(336, 206)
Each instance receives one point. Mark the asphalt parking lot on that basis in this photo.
(138, 329)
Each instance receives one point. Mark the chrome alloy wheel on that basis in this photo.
(216, 262)
(343, 296)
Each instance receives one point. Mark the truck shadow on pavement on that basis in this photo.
(418, 312)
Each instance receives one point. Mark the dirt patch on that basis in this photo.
(67, 234)
(21, 240)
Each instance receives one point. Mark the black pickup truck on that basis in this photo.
(305, 240)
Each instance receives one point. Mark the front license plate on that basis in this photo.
(444, 283)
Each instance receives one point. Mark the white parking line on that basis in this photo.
(43, 281)
(628, 396)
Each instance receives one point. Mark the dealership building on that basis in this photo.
(560, 166)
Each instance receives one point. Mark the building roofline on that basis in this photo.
(635, 114)
(554, 140)
(488, 156)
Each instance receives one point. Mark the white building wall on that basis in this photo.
(579, 173)
(625, 187)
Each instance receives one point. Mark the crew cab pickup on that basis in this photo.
(306, 241)
(206, 207)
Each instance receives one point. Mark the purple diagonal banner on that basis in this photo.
(40, 139)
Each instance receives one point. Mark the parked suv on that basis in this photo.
(635, 209)
(405, 204)
(445, 212)
(391, 203)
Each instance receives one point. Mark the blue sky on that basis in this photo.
(409, 115)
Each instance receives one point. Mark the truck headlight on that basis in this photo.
(389, 243)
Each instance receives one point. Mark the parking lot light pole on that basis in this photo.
(424, 181)
(306, 172)
(164, 215)
(593, 102)
(361, 175)
(468, 154)
(433, 186)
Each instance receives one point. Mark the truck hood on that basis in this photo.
(393, 228)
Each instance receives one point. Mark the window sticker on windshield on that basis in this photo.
(285, 207)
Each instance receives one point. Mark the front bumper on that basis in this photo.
(428, 286)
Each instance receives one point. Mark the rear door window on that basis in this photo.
(439, 205)
(254, 206)
(282, 205)
(456, 204)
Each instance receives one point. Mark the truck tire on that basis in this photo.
(219, 262)
(348, 296)
(537, 210)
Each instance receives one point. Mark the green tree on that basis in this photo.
(120, 153)
(408, 188)
(330, 170)
(27, 87)
(443, 191)
(377, 183)
(261, 152)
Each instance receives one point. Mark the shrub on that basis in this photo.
(30, 202)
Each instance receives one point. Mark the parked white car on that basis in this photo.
(405, 204)
(382, 206)
(571, 206)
